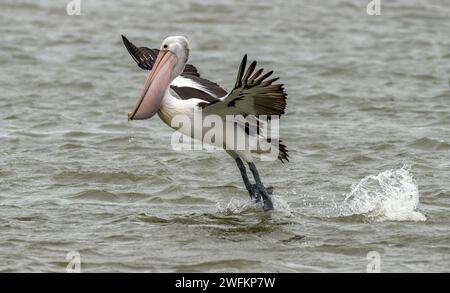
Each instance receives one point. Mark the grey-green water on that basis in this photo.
(367, 94)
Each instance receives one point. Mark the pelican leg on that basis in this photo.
(268, 205)
(251, 188)
(269, 189)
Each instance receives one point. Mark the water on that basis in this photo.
(367, 127)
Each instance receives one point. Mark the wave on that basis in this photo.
(426, 143)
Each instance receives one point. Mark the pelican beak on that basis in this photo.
(155, 87)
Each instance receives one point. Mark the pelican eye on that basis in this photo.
(165, 46)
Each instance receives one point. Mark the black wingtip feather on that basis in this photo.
(249, 72)
(127, 44)
(283, 153)
(263, 77)
(241, 71)
(256, 75)
(132, 51)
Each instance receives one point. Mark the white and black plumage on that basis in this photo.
(253, 94)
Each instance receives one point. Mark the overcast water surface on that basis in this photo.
(367, 127)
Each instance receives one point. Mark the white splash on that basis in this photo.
(234, 206)
(237, 206)
(392, 195)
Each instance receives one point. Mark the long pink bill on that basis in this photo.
(155, 87)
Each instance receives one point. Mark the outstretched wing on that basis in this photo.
(253, 94)
(188, 85)
(144, 57)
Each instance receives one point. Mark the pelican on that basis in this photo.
(174, 87)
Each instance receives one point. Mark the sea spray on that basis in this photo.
(391, 195)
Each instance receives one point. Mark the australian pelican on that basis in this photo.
(174, 87)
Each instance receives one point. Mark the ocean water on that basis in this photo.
(367, 127)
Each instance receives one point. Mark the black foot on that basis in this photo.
(258, 194)
(262, 191)
(265, 193)
(268, 205)
(255, 196)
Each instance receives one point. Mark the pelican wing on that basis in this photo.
(188, 85)
(144, 57)
(253, 94)
(193, 87)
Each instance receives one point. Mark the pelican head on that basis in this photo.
(169, 64)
